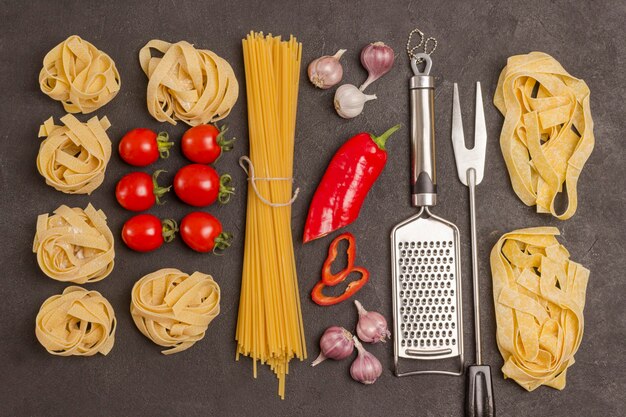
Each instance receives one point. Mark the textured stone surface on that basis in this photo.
(474, 41)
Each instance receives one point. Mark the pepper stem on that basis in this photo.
(382, 139)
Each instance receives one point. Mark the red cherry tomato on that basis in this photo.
(203, 232)
(141, 147)
(145, 232)
(204, 144)
(139, 191)
(200, 185)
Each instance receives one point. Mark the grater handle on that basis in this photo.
(480, 401)
(423, 174)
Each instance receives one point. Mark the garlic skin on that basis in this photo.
(336, 343)
(326, 71)
(366, 368)
(349, 101)
(372, 326)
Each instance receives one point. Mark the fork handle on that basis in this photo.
(423, 174)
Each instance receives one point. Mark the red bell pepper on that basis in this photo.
(329, 279)
(346, 182)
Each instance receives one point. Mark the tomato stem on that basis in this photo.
(169, 229)
(163, 144)
(222, 241)
(226, 191)
(158, 190)
(225, 144)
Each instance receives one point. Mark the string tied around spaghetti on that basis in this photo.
(249, 170)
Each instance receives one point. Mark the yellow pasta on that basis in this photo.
(539, 297)
(77, 322)
(269, 326)
(73, 158)
(74, 245)
(79, 75)
(547, 134)
(174, 309)
(188, 84)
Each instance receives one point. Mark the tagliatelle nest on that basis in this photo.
(547, 134)
(77, 322)
(539, 297)
(174, 309)
(188, 84)
(73, 158)
(79, 75)
(74, 245)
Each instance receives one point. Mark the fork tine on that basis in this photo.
(480, 128)
(458, 139)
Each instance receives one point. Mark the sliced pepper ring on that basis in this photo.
(328, 277)
(353, 287)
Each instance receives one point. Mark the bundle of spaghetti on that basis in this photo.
(269, 325)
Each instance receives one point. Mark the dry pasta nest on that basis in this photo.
(539, 297)
(79, 75)
(188, 84)
(73, 158)
(77, 322)
(547, 134)
(174, 309)
(74, 245)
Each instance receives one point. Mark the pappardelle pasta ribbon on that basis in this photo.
(547, 134)
(174, 309)
(74, 245)
(188, 84)
(79, 75)
(539, 297)
(73, 158)
(77, 322)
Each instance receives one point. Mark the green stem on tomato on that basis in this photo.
(158, 190)
(225, 144)
(382, 139)
(225, 189)
(163, 144)
(169, 229)
(222, 241)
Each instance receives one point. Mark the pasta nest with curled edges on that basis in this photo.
(547, 135)
(192, 85)
(73, 158)
(539, 297)
(74, 245)
(79, 75)
(174, 309)
(77, 322)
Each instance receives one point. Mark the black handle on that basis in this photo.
(480, 401)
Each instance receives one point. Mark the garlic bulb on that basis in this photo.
(366, 368)
(326, 71)
(349, 101)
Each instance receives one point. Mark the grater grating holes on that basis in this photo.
(427, 295)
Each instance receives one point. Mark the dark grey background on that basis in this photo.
(474, 41)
